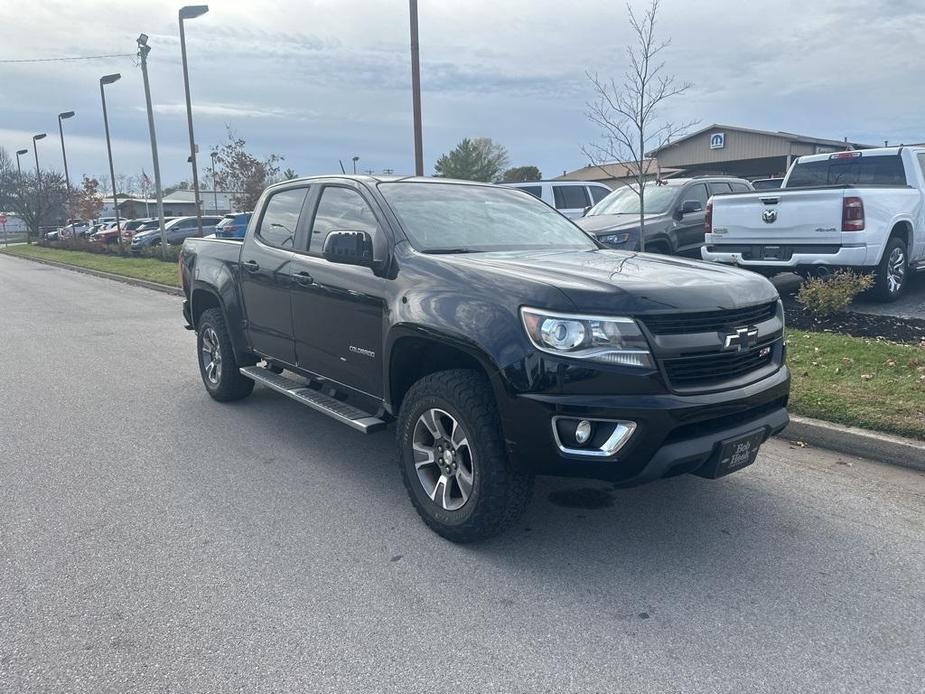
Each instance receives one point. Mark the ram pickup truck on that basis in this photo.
(862, 209)
(498, 337)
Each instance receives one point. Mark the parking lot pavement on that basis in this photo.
(912, 305)
(152, 539)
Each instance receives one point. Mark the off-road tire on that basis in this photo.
(882, 286)
(500, 494)
(229, 384)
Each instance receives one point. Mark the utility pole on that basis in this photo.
(143, 50)
(416, 90)
(191, 12)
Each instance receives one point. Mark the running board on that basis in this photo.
(332, 407)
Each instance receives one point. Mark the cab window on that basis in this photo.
(340, 209)
(280, 218)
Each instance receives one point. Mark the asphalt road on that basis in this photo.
(154, 540)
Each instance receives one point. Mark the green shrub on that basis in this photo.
(823, 296)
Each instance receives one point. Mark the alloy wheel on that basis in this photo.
(896, 270)
(443, 459)
(211, 355)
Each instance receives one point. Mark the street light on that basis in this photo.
(416, 89)
(104, 80)
(19, 153)
(191, 12)
(67, 179)
(38, 179)
(214, 187)
(143, 50)
(355, 160)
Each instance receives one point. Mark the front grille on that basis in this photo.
(708, 321)
(716, 368)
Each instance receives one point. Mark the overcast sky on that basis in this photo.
(322, 80)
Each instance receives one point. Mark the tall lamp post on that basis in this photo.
(191, 12)
(214, 187)
(355, 160)
(19, 153)
(67, 178)
(38, 181)
(143, 50)
(104, 80)
(416, 90)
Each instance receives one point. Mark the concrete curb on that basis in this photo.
(861, 443)
(176, 291)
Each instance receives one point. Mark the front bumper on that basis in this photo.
(675, 434)
(861, 255)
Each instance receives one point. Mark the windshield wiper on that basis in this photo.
(448, 250)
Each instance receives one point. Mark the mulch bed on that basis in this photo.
(890, 328)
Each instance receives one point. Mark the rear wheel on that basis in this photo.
(892, 274)
(217, 364)
(453, 460)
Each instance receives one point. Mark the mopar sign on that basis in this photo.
(717, 140)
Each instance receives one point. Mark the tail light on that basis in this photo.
(708, 218)
(852, 214)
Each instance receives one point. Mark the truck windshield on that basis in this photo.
(658, 199)
(454, 218)
(860, 170)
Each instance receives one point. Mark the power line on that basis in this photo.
(50, 60)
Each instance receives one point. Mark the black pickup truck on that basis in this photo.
(499, 337)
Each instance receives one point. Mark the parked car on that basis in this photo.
(177, 230)
(233, 225)
(501, 339)
(674, 212)
(571, 198)
(862, 209)
(108, 233)
(72, 230)
(767, 183)
(131, 226)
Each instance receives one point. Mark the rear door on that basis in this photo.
(337, 309)
(266, 259)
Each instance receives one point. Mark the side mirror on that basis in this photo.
(349, 248)
(689, 206)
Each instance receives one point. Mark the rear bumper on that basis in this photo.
(860, 255)
(674, 434)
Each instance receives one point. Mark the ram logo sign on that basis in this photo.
(717, 140)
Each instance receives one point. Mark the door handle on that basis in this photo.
(303, 279)
(251, 265)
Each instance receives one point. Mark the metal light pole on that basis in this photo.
(67, 178)
(19, 153)
(214, 187)
(416, 90)
(355, 160)
(191, 12)
(104, 80)
(143, 50)
(38, 182)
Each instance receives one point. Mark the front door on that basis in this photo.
(264, 275)
(337, 310)
(689, 230)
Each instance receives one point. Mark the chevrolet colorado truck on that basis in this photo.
(862, 209)
(498, 337)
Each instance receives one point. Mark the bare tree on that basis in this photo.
(628, 112)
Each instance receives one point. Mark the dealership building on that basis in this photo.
(724, 149)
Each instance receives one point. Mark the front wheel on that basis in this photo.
(453, 459)
(892, 274)
(217, 364)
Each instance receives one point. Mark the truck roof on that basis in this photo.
(874, 152)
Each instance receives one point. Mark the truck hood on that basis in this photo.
(611, 222)
(625, 282)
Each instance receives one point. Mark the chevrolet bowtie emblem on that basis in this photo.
(742, 339)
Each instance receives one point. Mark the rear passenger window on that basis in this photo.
(720, 187)
(340, 209)
(922, 162)
(739, 187)
(598, 193)
(535, 191)
(277, 227)
(697, 192)
(570, 197)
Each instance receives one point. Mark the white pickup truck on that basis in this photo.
(862, 209)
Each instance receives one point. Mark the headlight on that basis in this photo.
(614, 239)
(606, 339)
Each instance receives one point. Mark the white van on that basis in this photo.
(571, 198)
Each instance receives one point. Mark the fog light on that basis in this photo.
(583, 432)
